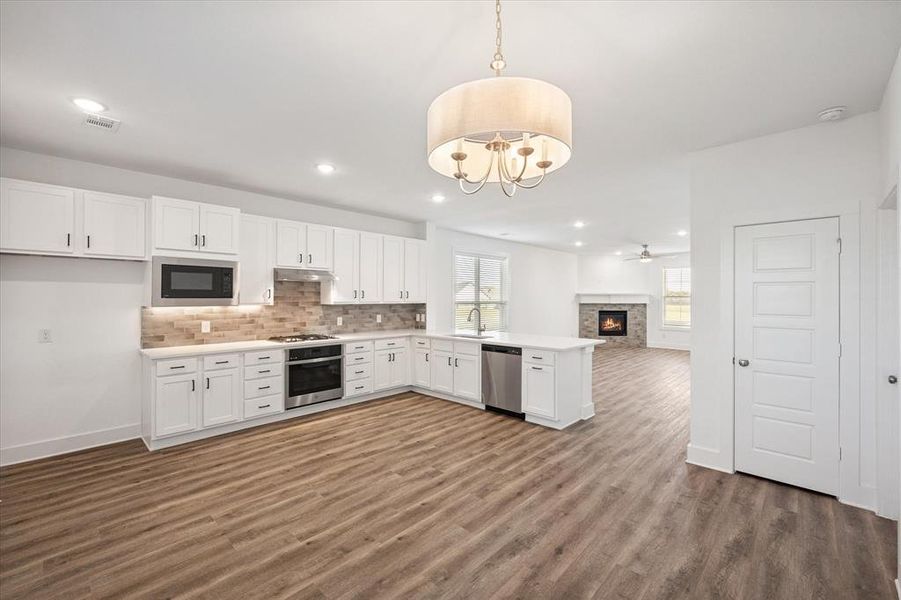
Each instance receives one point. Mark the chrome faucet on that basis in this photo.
(469, 319)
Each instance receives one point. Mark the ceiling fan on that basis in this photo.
(645, 255)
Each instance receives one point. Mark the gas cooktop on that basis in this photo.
(301, 337)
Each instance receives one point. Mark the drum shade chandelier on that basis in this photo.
(507, 130)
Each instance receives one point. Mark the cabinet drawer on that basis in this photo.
(176, 366)
(267, 386)
(265, 405)
(473, 349)
(221, 361)
(538, 357)
(357, 347)
(357, 359)
(443, 345)
(266, 370)
(419, 342)
(390, 344)
(352, 373)
(269, 356)
(358, 387)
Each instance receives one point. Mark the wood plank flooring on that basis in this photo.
(413, 497)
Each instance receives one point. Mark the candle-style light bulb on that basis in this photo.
(543, 149)
(526, 137)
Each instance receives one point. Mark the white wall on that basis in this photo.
(823, 170)
(82, 389)
(91, 176)
(542, 283)
(612, 275)
(890, 128)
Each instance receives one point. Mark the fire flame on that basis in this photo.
(610, 325)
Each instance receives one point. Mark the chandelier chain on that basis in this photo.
(498, 63)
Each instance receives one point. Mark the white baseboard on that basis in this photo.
(707, 458)
(72, 443)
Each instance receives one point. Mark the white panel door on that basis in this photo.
(787, 352)
(175, 404)
(370, 285)
(414, 259)
(222, 400)
(35, 217)
(319, 247)
(220, 227)
(256, 260)
(422, 368)
(467, 383)
(291, 244)
(442, 371)
(176, 224)
(381, 370)
(393, 271)
(114, 225)
(539, 391)
(346, 258)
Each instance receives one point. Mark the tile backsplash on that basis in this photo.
(297, 308)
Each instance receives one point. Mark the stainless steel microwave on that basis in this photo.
(194, 282)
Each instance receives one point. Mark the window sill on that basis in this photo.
(683, 328)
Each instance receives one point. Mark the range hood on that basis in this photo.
(302, 275)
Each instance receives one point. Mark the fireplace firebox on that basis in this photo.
(613, 322)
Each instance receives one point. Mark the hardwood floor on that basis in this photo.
(413, 497)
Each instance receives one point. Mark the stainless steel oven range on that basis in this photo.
(314, 375)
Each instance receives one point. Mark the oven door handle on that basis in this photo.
(313, 360)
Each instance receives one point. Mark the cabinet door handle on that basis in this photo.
(401, 294)
(178, 367)
(269, 293)
(537, 358)
(408, 294)
(449, 361)
(193, 384)
(263, 357)
(310, 259)
(264, 406)
(300, 260)
(89, 241)
(363, 294)
(221, 362)
(359, 387)
(203, 240)
(457, 362)
(264, 371)
(207, 383)
(68, 239)
(538, 368)
(359, 372)
(265, 387)
(427, 357)
(195, 239)
(355, 294)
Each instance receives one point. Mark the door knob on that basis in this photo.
(743, 362)
(892, 379)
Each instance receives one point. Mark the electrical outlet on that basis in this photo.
(417, 317)
(204, 327)
(340, 321)
(378, 318)
(44, 336)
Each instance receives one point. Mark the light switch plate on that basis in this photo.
(204, 327)
(378, 318)
(340, 321)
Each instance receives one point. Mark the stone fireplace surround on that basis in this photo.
(637, 331)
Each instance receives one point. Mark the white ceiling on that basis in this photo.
(253, 95)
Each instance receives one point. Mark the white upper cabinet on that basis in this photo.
(114, 225)
(357, 266)
(185, 226)
(219, 229)
(257, 260)
(303, 246)
(393, 272)
(414, 271)
(320, 240)
(37, 218)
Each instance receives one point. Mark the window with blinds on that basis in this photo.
(480, 282)
(676, 297)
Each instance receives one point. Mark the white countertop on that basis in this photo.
(540, 342)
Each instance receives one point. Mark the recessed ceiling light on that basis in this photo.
(438, 198)
(579, 224)
(619, 252)
(833, 113)
(325, 168)
(88, 105)
(578, 243)
(681, 233)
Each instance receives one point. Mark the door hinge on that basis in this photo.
(733, 360)
(839, 242)
(839, 349)
(839, 453)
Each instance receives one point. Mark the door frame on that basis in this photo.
(853, 488)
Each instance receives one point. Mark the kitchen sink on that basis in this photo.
(473, 336)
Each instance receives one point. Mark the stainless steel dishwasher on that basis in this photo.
(502, 379)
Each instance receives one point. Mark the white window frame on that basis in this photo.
(663, 296)
(505, 283)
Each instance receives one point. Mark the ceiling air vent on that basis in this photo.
(102, 122)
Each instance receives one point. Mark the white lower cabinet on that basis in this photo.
(442, 371)
(267, 405)
(390, 369)
(539, 391)
(222, 397)
(422, 368)
(175, 404)
(467, 383)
